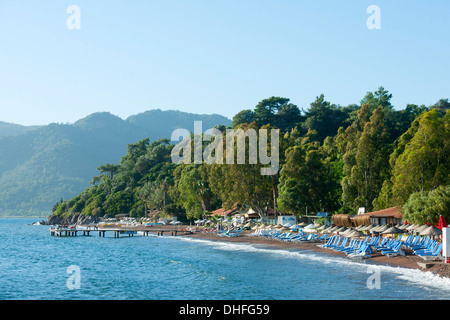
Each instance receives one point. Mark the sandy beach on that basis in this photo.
(407, 261)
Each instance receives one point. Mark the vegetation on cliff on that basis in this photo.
(332, 158)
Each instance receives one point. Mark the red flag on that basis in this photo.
(442, 223)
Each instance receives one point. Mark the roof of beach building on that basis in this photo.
(389, 212)
(223, 211)
(364, 218)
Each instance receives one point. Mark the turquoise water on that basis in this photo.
(34, 265)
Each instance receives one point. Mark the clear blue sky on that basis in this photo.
(215, 56)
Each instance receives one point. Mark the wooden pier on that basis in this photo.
(118, 231)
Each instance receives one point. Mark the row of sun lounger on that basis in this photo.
(230, 233)
(424, 247)
(290, 236)
(353, 248)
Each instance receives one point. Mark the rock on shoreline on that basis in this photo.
(71, 219)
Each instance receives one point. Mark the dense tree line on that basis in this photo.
(332, 158)
(42, 163)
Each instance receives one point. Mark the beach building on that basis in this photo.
(225, 213)
(390, 216)
(251, 214)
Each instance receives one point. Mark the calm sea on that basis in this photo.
(34, 265)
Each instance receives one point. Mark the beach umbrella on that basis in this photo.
(341, 229)
(379, 228)
(327, 229)
(303, 224)
(332, 229)
(348, 232)
(430, 231)
(321, 228)
(392, 230)
(403, 227)
(364, 227)
(411, 227)
(419, 228)
(310, 228)
(355, 234)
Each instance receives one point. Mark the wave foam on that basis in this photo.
(414, 276)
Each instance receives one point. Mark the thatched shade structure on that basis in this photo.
(355, 234)
(383, 228)
(326, 230)
(346, 231)
(379, 228)
(342, 220)
(341, 229)
(367, 228)
(389, 216)
(393, 230)
(411, 227)
(419, 228)
(430, 231)
(360, 220)
(302, 224)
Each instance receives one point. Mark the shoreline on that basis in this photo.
(408, 261)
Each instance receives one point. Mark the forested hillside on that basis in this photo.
(41, 164)
(332, 158)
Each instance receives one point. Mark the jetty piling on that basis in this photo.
(117, 232)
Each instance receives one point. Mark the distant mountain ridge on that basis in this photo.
(41, 164)
(11, 129)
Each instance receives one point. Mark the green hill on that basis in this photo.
(39, 165)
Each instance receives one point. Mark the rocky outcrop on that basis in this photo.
(71, 219)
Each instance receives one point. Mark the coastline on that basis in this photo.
(408, 261)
